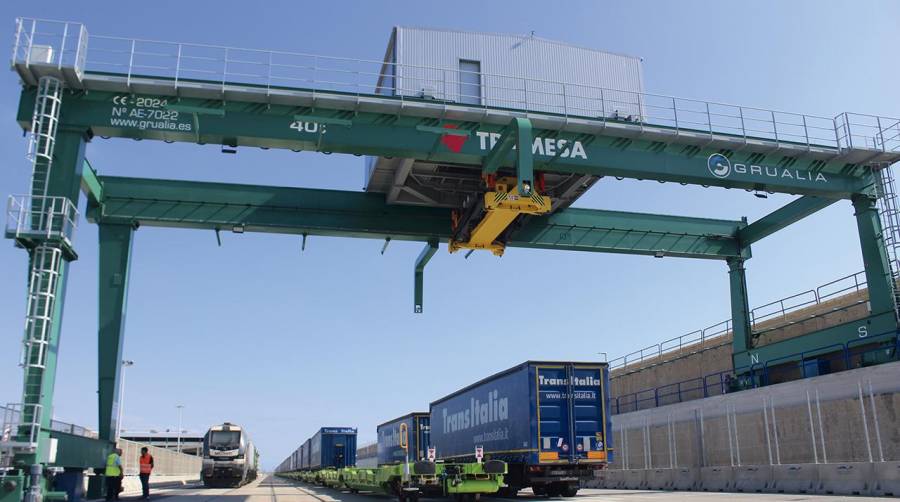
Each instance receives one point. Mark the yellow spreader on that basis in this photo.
(501, 207)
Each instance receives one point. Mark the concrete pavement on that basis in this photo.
(272, 489)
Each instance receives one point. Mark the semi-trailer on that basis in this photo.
(328, 448)
(332, 447)
(548, 421)
(415, 427)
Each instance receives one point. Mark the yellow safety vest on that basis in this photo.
(113, 470)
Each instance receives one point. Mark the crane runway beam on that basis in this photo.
(204, 205)
(580, 147)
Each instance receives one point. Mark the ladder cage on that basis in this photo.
(42, 140)
(889, 211)
(42, 286)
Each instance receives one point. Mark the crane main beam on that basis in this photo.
(254, 208)
(342, 124)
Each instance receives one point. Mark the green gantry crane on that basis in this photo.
(76, 87)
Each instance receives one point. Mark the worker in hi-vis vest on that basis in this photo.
(113, 474)
(146, 462)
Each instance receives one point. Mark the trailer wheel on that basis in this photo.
(539, 490)
(570, 490)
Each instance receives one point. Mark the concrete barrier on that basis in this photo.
(660, 479)
(716, 479)
(634, 479)
(685, 478)
(851, 478)
(796, 478)
(887, 479)
(754, 478)
(614, 478)
(603, 479)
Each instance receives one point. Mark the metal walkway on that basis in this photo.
(222, 73)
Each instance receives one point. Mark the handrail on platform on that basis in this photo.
(66, 44)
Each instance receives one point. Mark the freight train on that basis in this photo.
(229, 457)
(539, 425)
(325, 459)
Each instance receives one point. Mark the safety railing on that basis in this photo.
(41, 217)
(75, 430)
(763, 317)
(20, 426)
(867, 351)
(12, 413)
(55, 43)
(272, 70)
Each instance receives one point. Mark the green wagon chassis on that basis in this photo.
(464, 481)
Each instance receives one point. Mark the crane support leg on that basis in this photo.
(878, 268)
(424, 257)
(740, 307)
(44, 224)
(115, 256)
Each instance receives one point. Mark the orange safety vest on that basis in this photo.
(146, 463)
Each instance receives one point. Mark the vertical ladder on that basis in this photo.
(46, 260)
(889, 210)
(41, 142)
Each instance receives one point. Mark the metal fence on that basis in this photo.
(764, 316)
(849, 417)
(63, 44)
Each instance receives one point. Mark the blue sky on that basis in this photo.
(257, 333)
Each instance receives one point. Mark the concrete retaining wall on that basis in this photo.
(713, 356)
(167, 462)
(833, 434)
(857, 478)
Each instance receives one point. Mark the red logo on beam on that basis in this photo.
(453, 142)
